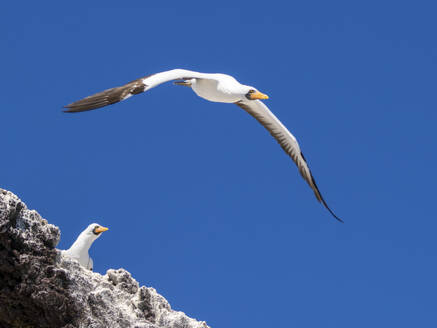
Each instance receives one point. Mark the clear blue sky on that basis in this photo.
(201, 202)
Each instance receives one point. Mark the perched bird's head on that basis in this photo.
(252, 94)
(93, 231)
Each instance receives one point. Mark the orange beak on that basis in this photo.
(100, 229)
(258, 95)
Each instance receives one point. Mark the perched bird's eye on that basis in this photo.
(95, 230)
(251, 91)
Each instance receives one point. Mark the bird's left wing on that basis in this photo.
(286, 140)
(91, 264)
(114, 95)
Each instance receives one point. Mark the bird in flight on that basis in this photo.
(217, 88)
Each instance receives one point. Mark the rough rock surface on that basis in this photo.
(40, 288)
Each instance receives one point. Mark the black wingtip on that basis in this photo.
(69, 110)
(327, 207)
(73, 108)
(330, 211)
(321, 199)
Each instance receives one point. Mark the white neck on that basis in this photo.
(82, 244)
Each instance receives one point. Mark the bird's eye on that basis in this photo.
(250, 93)
(94, 230)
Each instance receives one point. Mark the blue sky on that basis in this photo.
(201, 202)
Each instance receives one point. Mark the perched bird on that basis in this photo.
(217, 88)
(79, 249)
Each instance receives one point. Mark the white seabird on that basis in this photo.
(217, 88)
(79, 249)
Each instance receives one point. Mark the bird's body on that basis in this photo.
(216, 88)
(79, 250)
(223, 88)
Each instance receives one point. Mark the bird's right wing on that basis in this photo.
(286, 140)
(114, 95)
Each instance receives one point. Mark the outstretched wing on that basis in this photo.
(114, 95)
(286, 140)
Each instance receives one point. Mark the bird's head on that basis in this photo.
(94, 230)
(253, 94)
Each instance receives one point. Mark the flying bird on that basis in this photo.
(217, 88)
(79, 249)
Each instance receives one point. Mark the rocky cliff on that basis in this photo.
(39, 288)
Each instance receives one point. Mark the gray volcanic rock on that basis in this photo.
(40, 288)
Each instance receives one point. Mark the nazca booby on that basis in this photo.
(79, 249)
(217, 88)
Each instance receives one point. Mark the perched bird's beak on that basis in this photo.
(258, 95)
(100, 229)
